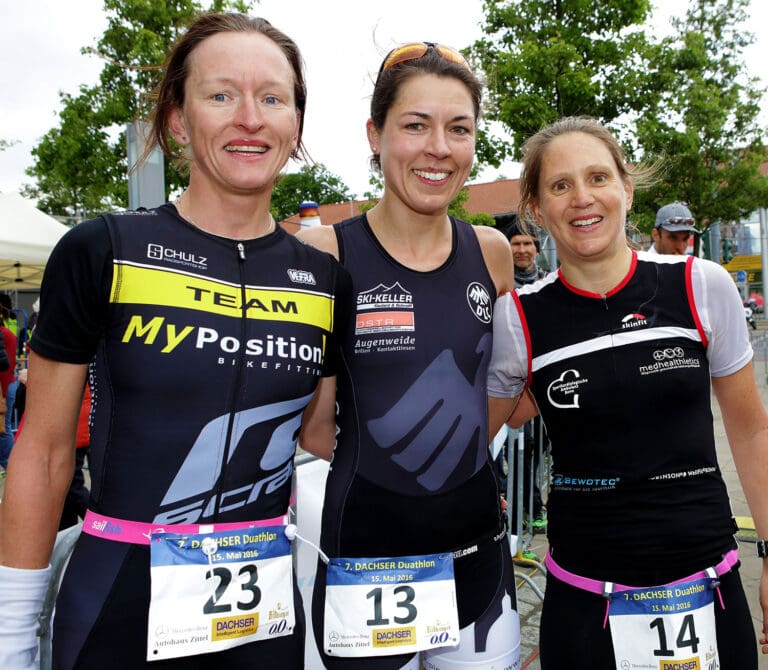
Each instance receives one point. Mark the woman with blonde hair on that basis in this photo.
(642, 563)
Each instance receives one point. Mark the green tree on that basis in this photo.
(704, 127)
(376, 181)
(79, 170)
(312, 183)
(544, 59)
(133, 48)
(457, 209)
(685, 100)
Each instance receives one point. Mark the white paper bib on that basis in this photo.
(387, 606)
(216, 591)
(669, 627)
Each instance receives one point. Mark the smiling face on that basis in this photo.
(239, 119)
(582, 199)
(427, 143)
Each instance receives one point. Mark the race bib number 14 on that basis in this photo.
(219, 590)
(669, 627)
(386, 606)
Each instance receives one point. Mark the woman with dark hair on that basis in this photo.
(642, 564)
(411, 489)
(204, 331)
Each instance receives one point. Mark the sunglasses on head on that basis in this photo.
(678, 220)
(415, 50)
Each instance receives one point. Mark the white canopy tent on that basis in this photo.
(27, 237)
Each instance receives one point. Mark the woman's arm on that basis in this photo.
(318, 426)
(524, 411)
(746, 426)
(513, 411)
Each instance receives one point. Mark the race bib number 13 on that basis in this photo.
(219, 590)
(386, 606)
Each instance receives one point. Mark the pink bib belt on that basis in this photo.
(607, 589)
(139, 532)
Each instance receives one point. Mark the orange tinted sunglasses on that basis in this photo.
(415, 50)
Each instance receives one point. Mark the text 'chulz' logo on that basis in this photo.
(158, 252)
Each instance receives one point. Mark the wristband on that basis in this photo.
(762, 548)
(21, 598)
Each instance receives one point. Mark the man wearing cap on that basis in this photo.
(672, 230)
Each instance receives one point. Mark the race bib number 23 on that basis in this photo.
(219, 590)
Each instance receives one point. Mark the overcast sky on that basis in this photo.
(343, 42)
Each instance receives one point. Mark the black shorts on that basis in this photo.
(483, 579)
(102, 612)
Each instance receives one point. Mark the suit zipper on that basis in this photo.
(238, 379)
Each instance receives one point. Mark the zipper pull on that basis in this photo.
(241, 250)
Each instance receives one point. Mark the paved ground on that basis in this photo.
(530, 589)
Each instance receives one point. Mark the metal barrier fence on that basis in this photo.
(521, 517)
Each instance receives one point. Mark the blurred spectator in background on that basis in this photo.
(672, 230)
(8, 381)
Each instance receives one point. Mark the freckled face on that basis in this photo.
(583, 199)
(239, 117)
(427, 144)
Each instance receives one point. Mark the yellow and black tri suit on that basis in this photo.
(204, 351)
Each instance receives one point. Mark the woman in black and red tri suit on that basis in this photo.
(620, 350)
